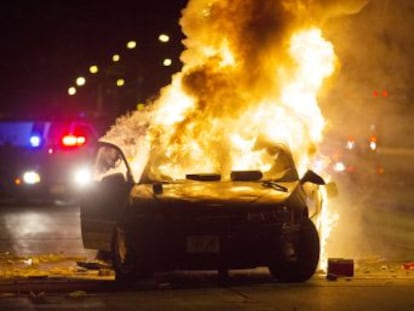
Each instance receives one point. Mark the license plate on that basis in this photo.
(203, 244)
(57, 189)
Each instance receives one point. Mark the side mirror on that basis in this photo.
(311, 176)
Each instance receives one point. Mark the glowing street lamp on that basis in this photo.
(164, 38)
(120, 82)
(116, 58)
(72, 90)
(93, 69)
(131, 45)
(80, 81)
(167, 62)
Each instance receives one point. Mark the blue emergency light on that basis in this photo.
(35, 141)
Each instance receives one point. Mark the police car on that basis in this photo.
(45, 159)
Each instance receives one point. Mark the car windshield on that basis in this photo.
(281, 168)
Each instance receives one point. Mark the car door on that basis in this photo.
(103, 204)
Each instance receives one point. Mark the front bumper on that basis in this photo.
(177, 245)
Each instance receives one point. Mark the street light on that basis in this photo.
(131, 45)
(120, 82)
(72, 90)
(167, 62)
(116, 58)
(111, 88)
(164, 38)
(80, 81)
(93, 69)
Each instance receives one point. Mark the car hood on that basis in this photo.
(212, 193)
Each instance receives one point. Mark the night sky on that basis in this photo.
(46, 44)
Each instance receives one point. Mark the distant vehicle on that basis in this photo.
(350, 157)
(44, 159)
(204, 221)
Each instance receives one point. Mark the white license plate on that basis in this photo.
(203, 244)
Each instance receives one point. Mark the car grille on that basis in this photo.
(222, 215)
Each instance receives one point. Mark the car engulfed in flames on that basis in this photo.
(205, 220)
(213, 172)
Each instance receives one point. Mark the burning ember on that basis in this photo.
(251, 76)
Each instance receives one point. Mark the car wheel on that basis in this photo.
(307, 257)
(123, 257)
(125, 263)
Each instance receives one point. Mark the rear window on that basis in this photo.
(56, 131)
(64, 133)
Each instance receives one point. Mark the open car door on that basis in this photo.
(104, 203)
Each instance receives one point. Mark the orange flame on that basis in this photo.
(231, 130)
(249, 80)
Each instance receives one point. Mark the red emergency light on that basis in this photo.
(73, 140)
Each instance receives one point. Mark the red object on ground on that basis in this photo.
(341, 266)
(409, 265)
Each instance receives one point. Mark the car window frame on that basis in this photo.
(99, 176)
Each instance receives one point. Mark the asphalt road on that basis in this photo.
(318, 294)
(41, 229)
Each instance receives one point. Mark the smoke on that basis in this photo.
(375, 48)
(236, 60)
(325, 10)
(255, 31)
(254, 35)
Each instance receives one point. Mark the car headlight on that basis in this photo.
(83, 176)
(339, 166)
(31, 177)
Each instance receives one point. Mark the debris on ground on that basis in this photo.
(92, 265)
(46, 266)
(331, 277)
(408, 265)
(341, 267)
(77, 294)
(53, 267)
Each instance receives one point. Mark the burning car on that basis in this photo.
(149, 223)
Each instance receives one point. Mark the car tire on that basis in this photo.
(125, 264)
(307, 257)
(123, 257)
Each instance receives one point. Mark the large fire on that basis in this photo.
(251, 77)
